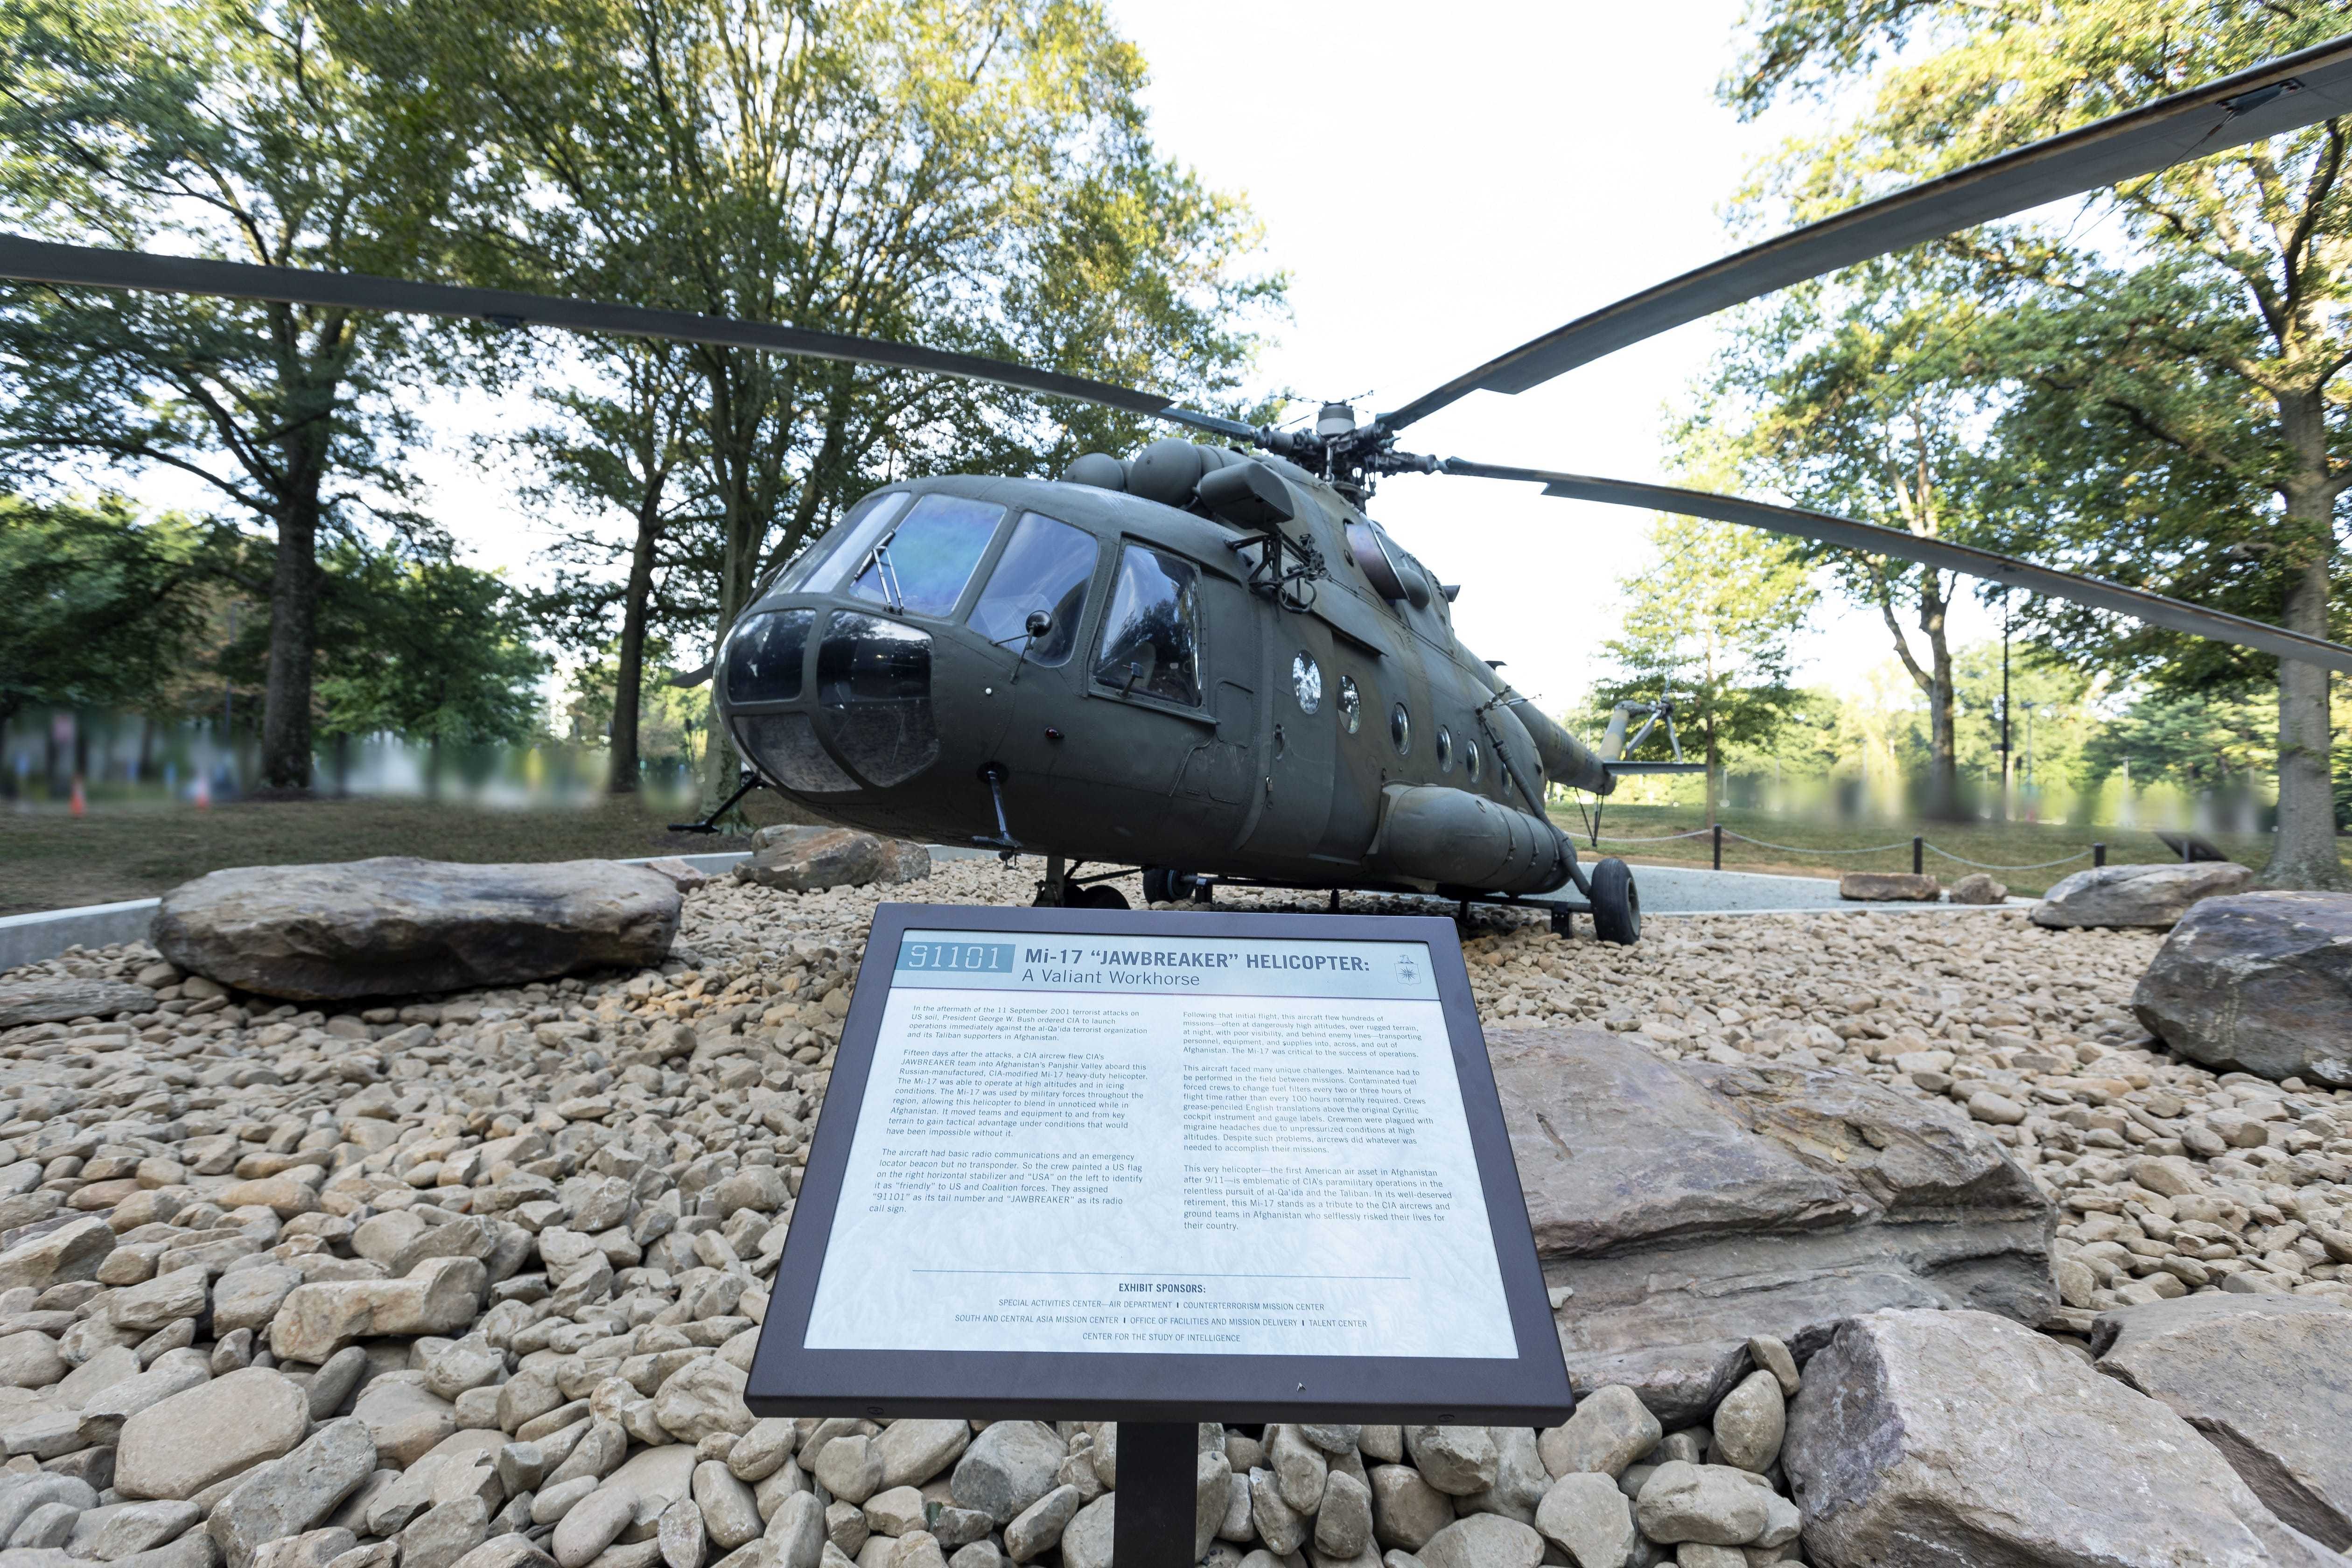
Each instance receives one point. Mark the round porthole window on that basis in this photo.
(1351, 704)
(1401, 729)
(1444, 750)
(1306, 682)
(1471, 761)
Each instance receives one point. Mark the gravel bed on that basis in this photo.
(474, 1281)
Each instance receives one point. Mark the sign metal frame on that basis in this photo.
(1527, 1389)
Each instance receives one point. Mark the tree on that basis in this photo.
(1856, 396)
(2181, 395)
(427, 647)
(935, 171)
(220, 127)
(1709, 625)
(635, 448)
(104, 610)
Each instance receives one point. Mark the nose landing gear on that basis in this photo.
(1062, 889)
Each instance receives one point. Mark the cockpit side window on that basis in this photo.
(1047, 567)
(919, 566)
(1151, 637)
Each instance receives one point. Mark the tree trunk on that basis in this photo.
(733, 431)
(628, 685)
(2302, 854)
(293, 625)
(1942, 803)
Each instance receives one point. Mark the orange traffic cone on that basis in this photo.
(80, 805)
(204, 793)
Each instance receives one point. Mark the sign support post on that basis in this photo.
(1158, 1465)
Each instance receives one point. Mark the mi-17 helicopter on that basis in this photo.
(1211, 661)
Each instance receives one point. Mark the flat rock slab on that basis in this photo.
(2260, 982)
(810, 859)
(1690, 1205)
(398, 926)
(1889, 888)
(2154, 896)
(2268, 1380)
(61, 1000)
(1925, 1439)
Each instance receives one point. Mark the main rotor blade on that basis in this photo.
(2282, 95)
(40, 261)
(2097, 592)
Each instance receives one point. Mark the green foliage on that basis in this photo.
(223, 128)
(2218, 738)
(1709, 625)
(2169, 399)
(104, 610)
(410, 642)
(671, 723)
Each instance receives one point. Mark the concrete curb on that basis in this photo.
(45, 933)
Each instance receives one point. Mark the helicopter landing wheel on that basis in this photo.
(1101, 895)
(1164, 885)
(1616, 905)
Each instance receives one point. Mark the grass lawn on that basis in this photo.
(50, 860)
(1995, 842)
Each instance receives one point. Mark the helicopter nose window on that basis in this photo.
(1151, 638)
(1444, 750)
(1047, 567)
(1471, 761)
(764, 658)
(1401, 729)
(1306, 682)
(874, 679)
(920, 566)
(786, 746)
(1351, 704)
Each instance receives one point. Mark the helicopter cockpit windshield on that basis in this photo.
(920, 566)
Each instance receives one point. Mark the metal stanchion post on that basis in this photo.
(1719, 847)
(2098, 854)
(1918, 856)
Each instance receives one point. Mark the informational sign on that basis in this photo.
(1241, 1153)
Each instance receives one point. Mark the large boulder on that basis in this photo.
(61, 999)
(1691, 1206)
(2156, 895)
(395, 925)
(810, 859)
(2268, 1380)
(1924, 1440)
(2260, 982)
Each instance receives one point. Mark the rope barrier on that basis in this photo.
(1870, 849)
(1797, 849)
(1984, 866)
(1662, 838)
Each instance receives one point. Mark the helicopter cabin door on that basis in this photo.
(1299, 762)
